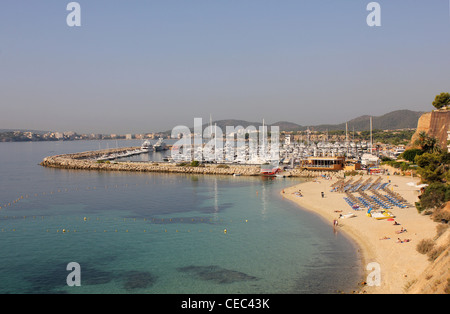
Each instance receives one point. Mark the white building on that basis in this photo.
(370, 160)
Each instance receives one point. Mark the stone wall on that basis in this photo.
(435, 124)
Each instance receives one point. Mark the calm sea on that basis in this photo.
(158, 233)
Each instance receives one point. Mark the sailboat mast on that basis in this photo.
(215, 142)
(371, 140)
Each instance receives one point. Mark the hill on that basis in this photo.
(395, 120)
(23, 130)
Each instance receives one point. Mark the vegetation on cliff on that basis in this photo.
(441, 100)
(433, 165)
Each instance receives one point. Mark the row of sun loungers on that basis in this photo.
(376, 200)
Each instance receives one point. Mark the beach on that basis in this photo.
(399, 262)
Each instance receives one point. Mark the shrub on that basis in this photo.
(410, 154)
(441, 229)
(223, 166)
(434, 254)
(425, 246)
(195, 163)
(441, 215)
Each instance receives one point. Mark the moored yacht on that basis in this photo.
(146, 146)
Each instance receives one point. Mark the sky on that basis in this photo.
(150, 65)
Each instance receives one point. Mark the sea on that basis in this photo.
(151, 233)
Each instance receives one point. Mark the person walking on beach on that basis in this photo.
(322, 194)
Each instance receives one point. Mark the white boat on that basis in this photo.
(146, 146)
(349, 215)
(380, 216)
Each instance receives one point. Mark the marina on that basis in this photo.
(320, 156)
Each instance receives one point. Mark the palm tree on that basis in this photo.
(427, 143)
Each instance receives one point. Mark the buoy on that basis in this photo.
(84, 218)
(225, 231)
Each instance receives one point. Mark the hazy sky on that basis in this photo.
(142, 66)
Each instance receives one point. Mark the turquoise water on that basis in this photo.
(159, 233)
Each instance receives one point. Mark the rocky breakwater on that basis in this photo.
(88, 161)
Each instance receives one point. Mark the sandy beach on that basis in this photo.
(400, 263)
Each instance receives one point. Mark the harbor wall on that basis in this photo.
(435, 124)
(87, 161)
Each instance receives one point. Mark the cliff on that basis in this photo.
(435, 124)
(436, 278)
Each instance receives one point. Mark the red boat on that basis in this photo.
(269, 170)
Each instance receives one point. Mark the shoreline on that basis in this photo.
(375, 240)
(399, 263)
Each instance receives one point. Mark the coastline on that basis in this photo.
(400, 263)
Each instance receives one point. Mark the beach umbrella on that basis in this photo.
(390, 219)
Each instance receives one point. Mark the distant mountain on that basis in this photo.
(400, 119)
(23, 130)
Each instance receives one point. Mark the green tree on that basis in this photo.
(433, 167)
(427, 144)
(429, 167)
(410, 154)
(442, 100)
(434, 196)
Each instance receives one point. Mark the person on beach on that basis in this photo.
(323, 194)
